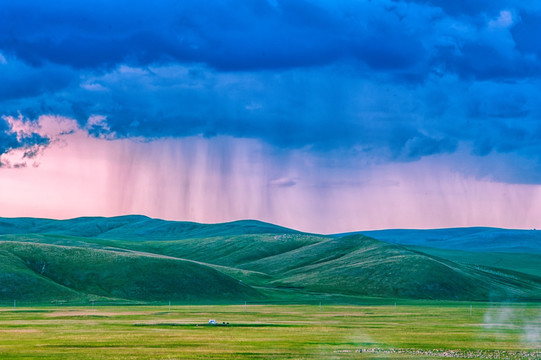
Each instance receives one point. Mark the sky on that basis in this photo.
(324, 116)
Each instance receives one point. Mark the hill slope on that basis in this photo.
(143, 259)
(519, 262)
(36, 272)
(360, 265)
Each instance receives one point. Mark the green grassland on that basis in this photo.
(95, 288)
(415, 330)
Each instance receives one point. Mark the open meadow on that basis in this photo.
(417, 330)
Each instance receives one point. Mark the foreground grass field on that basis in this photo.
(422, 330)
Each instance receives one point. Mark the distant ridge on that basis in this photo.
(135, 227)
(479, 239)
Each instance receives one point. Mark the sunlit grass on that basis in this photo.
(267, 331)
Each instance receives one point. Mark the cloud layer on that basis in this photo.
(378, 81)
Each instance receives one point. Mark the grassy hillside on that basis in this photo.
(360, 265)
(221, 250)
(523, 263)
(18, 281)
(142, 259)
(60, 272)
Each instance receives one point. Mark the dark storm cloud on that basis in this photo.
(398, 80)
(19, 80)
(8, 140)
(404, 37)
(466, 7)
(30, 143)
(407, 39)
(229, 35)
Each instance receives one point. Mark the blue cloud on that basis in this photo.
(397, 80)
(20, 80)
(465, 7)
(30, 143)
(525, 31)
(387, 36)
(227, 35)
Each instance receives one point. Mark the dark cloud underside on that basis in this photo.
(395, 80)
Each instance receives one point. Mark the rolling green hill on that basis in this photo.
(18, 281)
(136, 258)
(34, 271)
(231, 251)
(360, 265)
(528, 263)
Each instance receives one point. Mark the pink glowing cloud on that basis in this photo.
(225, 178)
